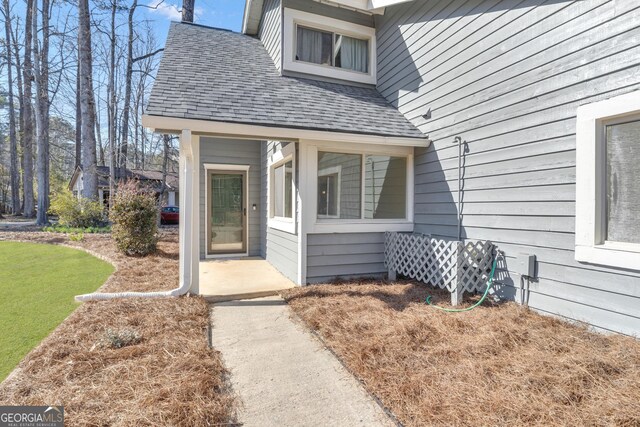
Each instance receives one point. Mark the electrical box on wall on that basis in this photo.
(525, 265)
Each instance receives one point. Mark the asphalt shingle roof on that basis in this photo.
(219, 75)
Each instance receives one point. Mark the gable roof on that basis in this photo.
(219, 75)
(151, 177)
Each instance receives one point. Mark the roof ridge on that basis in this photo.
(208, 27)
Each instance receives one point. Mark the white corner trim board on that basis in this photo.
(590, 243)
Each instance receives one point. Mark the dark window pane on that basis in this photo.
(351, 53)
(339, 185)
(623, 178)
(385, 183)
(288, 190)
(314, 46)
(278, 191)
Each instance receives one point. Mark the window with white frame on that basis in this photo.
(608, 182)
(282, 189)
(332, 49)
(329, 47)
(361, 186)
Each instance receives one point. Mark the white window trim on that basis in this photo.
(590, 245)
(279, 158)
(322, 225)
(333, 170)
(207, 218)
(294, 17)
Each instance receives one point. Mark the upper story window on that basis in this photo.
(607, 176)
(328, 47)
(333, 49)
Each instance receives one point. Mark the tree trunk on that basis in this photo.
(127, 92)
(78, 119)
(18, 67)
(87, 103)
(27, 127)
(13, 138)
(41, 71)
(187, 10)
(112, 105)
(101, 160)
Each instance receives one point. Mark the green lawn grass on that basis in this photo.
(37, 286)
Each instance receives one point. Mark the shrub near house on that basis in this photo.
(135, 219)
(77, 213)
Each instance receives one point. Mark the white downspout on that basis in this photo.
(186, 231)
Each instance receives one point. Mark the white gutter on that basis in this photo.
(188, 233)
(163, 124)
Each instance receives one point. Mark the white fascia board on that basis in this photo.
(246, 131)
(251, 17)
(376, 4)
(371, 6)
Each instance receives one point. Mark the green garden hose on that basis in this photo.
(486, 292)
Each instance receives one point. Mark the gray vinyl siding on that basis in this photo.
(342, 14)
(270, 32)
(507, 76)
(233, 152)
(344, 255)
(278, 247)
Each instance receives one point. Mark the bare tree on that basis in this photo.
(127, 93)
(27, 116)
(87, 103)
(112, 102)
(41, 74)
(13, 139)
(78, 119)
(187, 10)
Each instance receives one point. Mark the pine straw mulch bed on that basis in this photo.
(170, 377)
(499, 364)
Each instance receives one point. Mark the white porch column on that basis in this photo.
(189, 215)
(195, 216)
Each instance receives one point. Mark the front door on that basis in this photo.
(227, 213)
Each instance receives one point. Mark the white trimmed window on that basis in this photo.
(282, 191)
(608, 182)
(359, 190)
(328, 47)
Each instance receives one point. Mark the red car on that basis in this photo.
(170, 215)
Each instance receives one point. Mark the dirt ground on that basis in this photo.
(170, 377)
(499, 364)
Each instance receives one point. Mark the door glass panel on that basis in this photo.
(227, 221)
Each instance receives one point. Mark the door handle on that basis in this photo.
(244, 210)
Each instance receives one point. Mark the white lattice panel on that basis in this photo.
(439, 262)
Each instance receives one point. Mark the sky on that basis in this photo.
(213, 13)
(225, 14)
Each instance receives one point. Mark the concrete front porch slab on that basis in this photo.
(240, 278)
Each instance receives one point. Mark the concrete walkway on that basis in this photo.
(283, 374)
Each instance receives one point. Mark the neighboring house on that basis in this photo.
(153, 179)
(325, 124)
